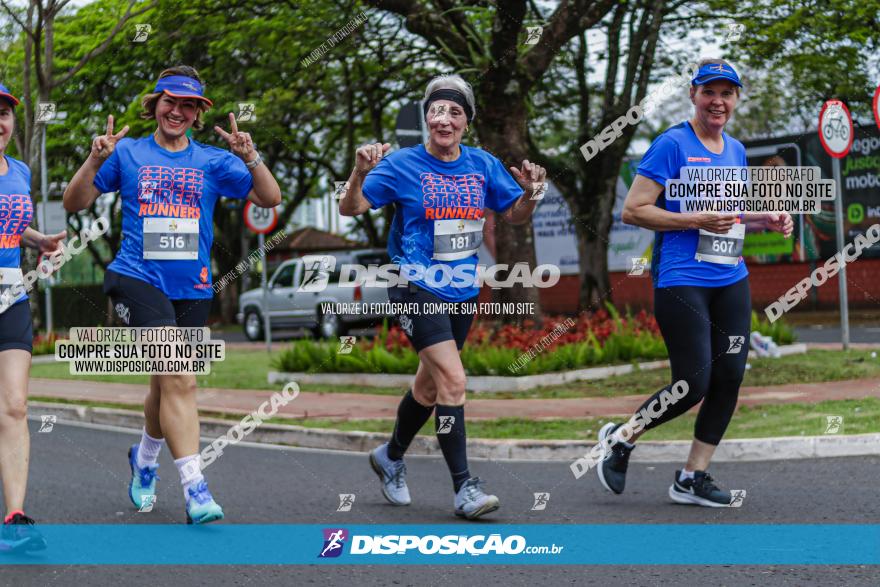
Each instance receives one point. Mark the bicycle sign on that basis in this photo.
(835, 129)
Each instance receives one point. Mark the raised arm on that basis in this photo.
(266, 193)
(81, 191)
(531, 179)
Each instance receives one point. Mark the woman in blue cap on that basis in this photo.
(161, 275)
(701, 297)
(16, 333)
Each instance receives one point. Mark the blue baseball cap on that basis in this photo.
(7, 95)
(181, 86)
(715, 71)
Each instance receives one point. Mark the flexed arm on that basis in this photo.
(367, 157)
(640, 209)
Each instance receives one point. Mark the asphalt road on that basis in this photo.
(826, 333)
(80, 474)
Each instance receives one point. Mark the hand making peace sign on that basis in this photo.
(240, 143)
(103, 145)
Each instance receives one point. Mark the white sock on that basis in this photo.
(148, 451)
(685, 474)
(616, 436)
(190, 472)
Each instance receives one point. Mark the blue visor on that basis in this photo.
(715, 71)
(181, 86)
(5, 94)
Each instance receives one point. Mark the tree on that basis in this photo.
(550, 82)
(40, 77)
(486, 42)
(309, 117)
(813, 51)
(589, 186)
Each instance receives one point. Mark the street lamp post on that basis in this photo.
(46, 115)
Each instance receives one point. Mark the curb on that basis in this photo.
(735, 450)
(490, 383)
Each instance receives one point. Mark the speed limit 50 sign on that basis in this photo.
(260, 220)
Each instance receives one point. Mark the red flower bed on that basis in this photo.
(485, 332)
(45, 344)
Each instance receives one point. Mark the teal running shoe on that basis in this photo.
(200, 505)
(19, 535)
(142, 487)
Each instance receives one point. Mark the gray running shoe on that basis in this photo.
(392, 474)
(612, 469)
(471, 501)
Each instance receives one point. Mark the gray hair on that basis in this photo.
(453, 82)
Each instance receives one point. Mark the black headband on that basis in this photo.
(452, 95)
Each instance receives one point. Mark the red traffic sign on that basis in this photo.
(877, 106)
(835, 128)
(260, 220)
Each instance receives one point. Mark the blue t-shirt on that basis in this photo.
(16, 213)
(673, 261)
(171, 194)
(438, 213)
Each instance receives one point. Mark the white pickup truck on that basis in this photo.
(292, 306)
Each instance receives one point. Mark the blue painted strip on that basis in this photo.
(647, 544)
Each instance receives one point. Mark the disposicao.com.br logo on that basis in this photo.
(449, 544)
(334, 541)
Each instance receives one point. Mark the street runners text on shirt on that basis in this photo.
(427, 308)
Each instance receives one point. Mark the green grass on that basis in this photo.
(241, 370)
(859, 417)
(810, 367)
(248, 369)
(770, 420)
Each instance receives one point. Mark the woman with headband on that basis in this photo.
(439, 192)
(161, 275)
(16, 334)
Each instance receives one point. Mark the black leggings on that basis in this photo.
(698, 324)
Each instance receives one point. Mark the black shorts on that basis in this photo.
(138, 304)
(426, 326)
(16, 328)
